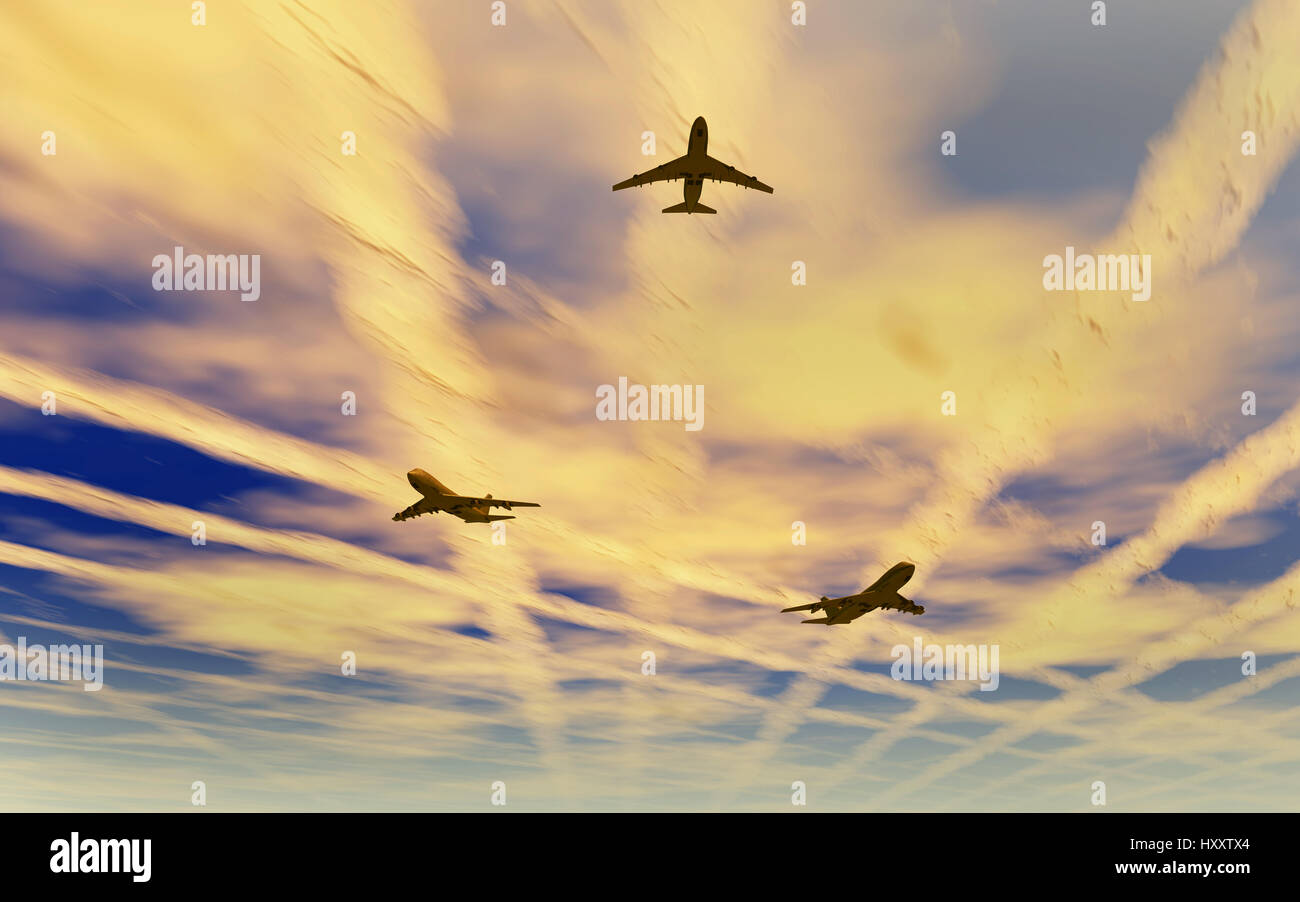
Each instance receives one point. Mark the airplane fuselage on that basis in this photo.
(883, 593)
(473, 513)
(426, 484)
(851, 607)
(431, 488)
(697, 149)
(692, 168)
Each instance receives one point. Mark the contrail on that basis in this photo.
(317, 549)
(1171, 215)
(1275, 598)
(1197, 709)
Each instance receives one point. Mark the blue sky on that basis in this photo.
(524, 660)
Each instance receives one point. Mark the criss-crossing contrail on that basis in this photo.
(1273, 599)
(1196, 196)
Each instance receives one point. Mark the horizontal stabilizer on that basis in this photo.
(500, 517)
(820, 620)
(682, 208)
(802, 607)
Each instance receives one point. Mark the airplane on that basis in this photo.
(694, 168)
(437, 497)
(883, 593)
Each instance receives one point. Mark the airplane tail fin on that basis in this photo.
(681, 208)
(819, 620)
(492, 517)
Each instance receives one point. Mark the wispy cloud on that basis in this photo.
(522, 661)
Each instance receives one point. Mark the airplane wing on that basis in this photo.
(899, 603)
(801, 607)
(423, 506)
(491, 502)
(822, 604)
(676, 169)
(722, 172)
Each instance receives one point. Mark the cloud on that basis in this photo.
(823, 401)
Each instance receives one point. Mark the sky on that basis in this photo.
(621, 648)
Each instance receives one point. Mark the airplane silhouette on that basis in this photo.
(470, 508)
(694, 168)
(883, 593)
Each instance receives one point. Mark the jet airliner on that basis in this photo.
(883, 593)
(437, 497)
(693, 169)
